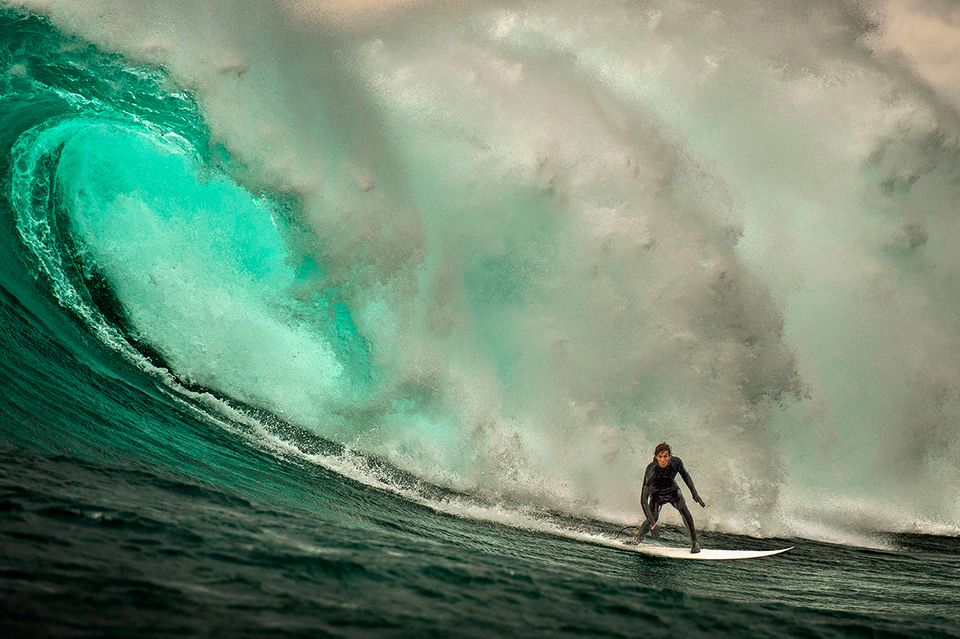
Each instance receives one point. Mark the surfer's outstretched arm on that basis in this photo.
(645, 494)
(689, 481)
(645, 502)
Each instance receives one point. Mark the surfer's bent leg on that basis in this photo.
(655, 505)
(681, 505)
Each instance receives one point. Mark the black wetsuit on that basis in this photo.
(659, 488)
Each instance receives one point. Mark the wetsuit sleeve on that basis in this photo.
(686, 477)
(645, 493)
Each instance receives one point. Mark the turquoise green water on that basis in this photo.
(323, 329)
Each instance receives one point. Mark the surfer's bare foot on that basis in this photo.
(695, 549)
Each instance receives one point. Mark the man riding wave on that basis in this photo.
(660, 487)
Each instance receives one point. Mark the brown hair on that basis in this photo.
(662, 446)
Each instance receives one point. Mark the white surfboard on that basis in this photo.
(705, 554)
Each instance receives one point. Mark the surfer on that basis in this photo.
(660, 487)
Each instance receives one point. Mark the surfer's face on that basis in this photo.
(663, 458)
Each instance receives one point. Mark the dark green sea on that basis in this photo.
(340, 319)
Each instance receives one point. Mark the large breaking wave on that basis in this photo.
(508, 247)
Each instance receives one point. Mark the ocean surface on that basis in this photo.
(363, 319)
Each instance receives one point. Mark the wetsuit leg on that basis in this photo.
(681, 505)
(655, 505)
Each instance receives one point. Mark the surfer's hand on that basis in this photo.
(699, 500)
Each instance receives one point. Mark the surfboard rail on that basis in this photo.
(706, 554)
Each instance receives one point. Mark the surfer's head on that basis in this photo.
(662, 454)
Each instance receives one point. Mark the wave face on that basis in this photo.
(509, 247)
